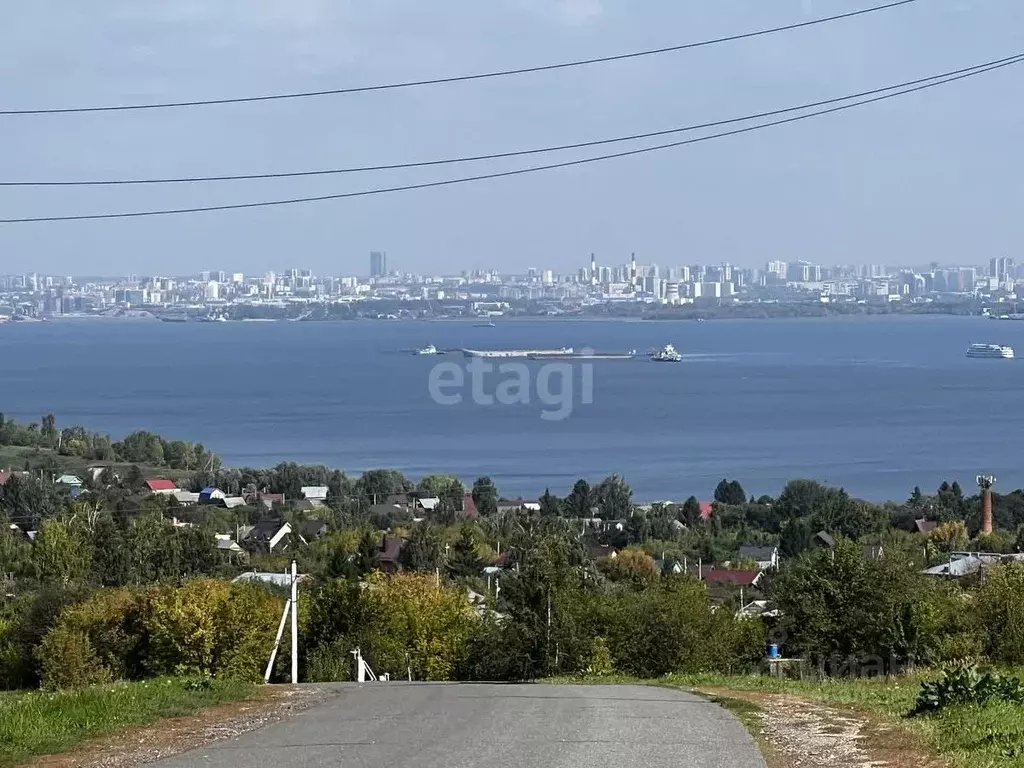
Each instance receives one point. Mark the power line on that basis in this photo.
(457, 78)
(516, 172)
(496, 155)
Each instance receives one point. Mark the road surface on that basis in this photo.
(423, 725)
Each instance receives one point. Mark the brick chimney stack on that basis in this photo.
(985, 483)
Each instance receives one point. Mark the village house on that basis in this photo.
(765, 557)
(269, 535)
(161, 487)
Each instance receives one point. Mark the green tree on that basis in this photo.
(424, 550)
(62, 553)
(614, 498)
(550, 506)
(464, 561)
(368, 554)
(839, 605)
(485, 496)
(730, 492)
(377, 484)
(579, 502)
(689, 514)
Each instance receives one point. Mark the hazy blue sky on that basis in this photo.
(935, 175)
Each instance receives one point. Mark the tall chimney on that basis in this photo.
(985, 483)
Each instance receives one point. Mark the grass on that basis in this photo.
(14, 456)
(38, 723)
(978, 737)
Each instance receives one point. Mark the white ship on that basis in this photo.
(990, 350)
(563, 352)
(666, 354)
(430, 349)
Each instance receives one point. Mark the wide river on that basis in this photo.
(876, 405)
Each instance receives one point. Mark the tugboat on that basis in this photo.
(666, 354)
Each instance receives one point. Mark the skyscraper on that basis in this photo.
(378, 263)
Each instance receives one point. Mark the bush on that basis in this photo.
(331, 663)
(68, 660)
(182, 627)
(1001, 613)
(110, 621)
(246, 624)
(966, 685)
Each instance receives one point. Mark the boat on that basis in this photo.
(527, 353)
(666, 354)
(997, 351)
(430, 349)
(174, 318)
(586, 355)
(483, 325)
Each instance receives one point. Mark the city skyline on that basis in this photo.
(907, 180)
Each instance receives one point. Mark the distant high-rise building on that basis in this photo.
(204, 276)
(378, 263)
(219, 276)
(1001, 268)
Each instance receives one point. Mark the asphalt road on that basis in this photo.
(422, 725)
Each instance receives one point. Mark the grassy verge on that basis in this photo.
(38, 723)
(979, 737)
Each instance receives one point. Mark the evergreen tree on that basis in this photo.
(424, 550)
(368, 553)
(580, 500)
(464, 560)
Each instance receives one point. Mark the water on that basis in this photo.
(876, 405)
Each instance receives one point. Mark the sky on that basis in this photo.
(935, 175)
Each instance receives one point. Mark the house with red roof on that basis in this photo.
(164, 487)
(7, 474)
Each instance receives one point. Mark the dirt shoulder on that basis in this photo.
(172, 736)
(794, 732)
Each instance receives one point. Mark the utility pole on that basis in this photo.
(295, 622)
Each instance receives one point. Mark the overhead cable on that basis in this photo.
(455, 78)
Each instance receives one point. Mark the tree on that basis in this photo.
(368, 553)
(949, 537)
(730, 492)
(377, 484)
(111, 560)
(580, 501)
(424, 550)
(464, 561)
(689, 513)
(485, 496)
(839, 605)
(49, 430)
(141, 448)
(549, 504)
(614, 498)
(26, 501)
(633, 565)
(62, 553)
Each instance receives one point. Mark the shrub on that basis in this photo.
(966, 685)
(110, 621)
(181, 623)
(68, 660)
(331, 663)
(1001, 613)
(246, 623)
